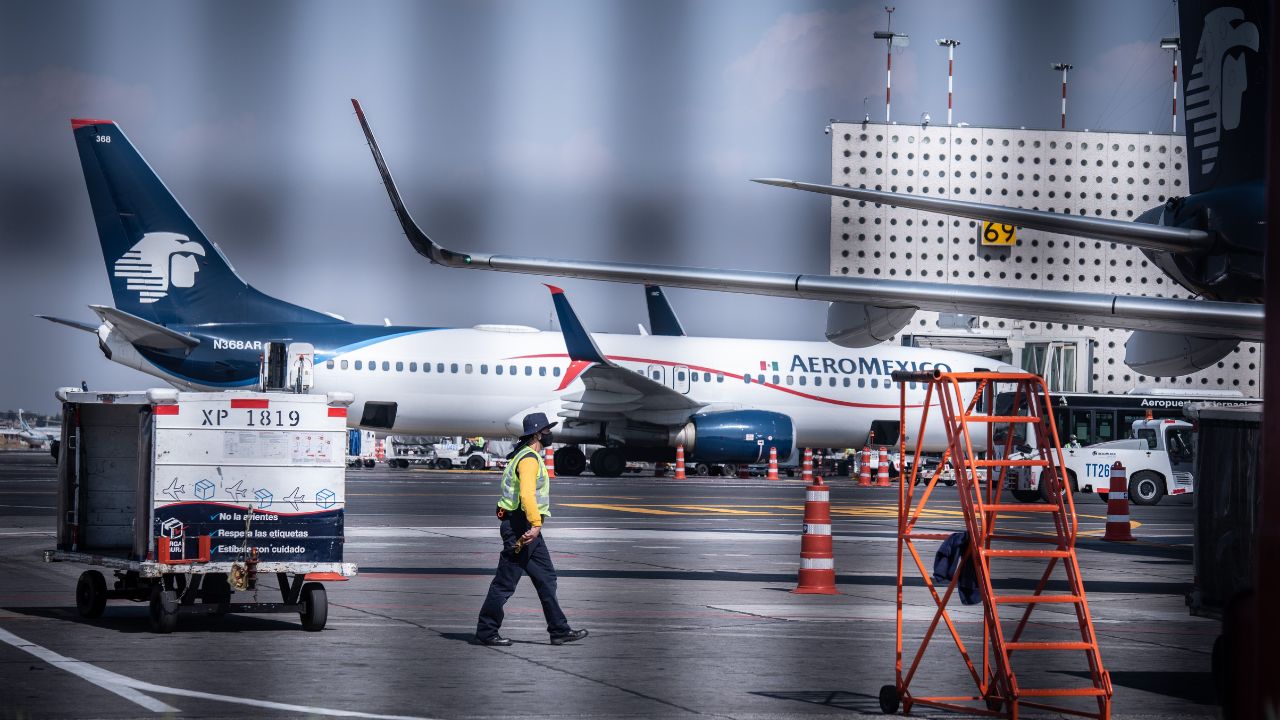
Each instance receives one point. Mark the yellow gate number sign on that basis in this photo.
(998, 234)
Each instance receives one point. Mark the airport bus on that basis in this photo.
(1096, 417)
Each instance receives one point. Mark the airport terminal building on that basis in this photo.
(1100, 174)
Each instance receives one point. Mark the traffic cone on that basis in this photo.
(882, 468)
(773, 463)
(380, 451)
(1118, 527)
(864, 472)
(817, 562)
(679, 463)
(550, 462)
(806, 468)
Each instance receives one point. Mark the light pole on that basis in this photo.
(891, 38)
(1064, 67)
(1175, 45)
(951, 46)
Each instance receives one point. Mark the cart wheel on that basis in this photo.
(164, 610)
(91, 594)
(316, 602)
(889, 699)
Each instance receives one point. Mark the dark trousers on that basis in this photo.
(533, 559)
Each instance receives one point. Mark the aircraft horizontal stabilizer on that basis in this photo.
(144, 333)
(1148, 237)
(87, 327)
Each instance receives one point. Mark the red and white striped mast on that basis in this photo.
(1064, 67)
(1174, 44)
(951, 46)
(891, 38)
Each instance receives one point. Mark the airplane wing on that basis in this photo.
(1162, 238)
(611, 392)
(145, 333)
(1200, 318)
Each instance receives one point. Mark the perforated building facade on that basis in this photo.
(1111, 175)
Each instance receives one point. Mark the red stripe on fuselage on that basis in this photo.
(571, 375)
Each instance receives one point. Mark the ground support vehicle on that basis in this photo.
(362, 448)
(448, 455)
(189, 498)
(1158, 461)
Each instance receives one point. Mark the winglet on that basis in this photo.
(421, 243)
(662, 318)
(576, 338)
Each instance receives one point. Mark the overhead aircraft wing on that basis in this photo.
(1201, 318)
(1163, 238)
(611, 392)
(144, 333)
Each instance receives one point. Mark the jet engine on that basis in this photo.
(736, 436)
(858, 325)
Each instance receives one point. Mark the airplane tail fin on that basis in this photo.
(1225, 50)
(22, 422)
(662, 318)
(162, 268)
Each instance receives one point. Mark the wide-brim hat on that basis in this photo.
(535, 423)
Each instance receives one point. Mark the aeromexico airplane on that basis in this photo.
(182, 314)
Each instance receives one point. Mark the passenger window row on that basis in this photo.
(442, 368)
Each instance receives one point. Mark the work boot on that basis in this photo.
(494, 640)
(568, 637)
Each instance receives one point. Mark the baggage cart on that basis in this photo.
(192, 500)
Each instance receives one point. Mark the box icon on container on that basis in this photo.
(172, 528)
(204, 489)
(326, 498)
(264, 497)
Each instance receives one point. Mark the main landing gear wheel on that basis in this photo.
(889, 699)
(608, 462)
(316, 603)
(163, 613)
(91, 594)
(570, 461)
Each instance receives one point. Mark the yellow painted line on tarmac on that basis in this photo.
(720, 510)
(624, 508)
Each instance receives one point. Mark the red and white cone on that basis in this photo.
(864, 473)
(680, 463)
(550, 462)
(882, 468)
(1118, 528)
(773, 463)
(806, 469)
(380, 451)
(817, 561)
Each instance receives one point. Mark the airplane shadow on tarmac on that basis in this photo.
(1128, 587)
(1196, 687)
(838, 699)
(126, 619)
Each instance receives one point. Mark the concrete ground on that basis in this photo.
(684, 585)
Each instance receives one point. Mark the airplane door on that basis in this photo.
(657, 373)
(680, 379)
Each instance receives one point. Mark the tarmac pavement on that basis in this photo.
(684, 585)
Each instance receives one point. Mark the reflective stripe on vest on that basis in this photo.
(510, 499)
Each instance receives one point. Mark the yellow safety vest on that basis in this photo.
(510, 499)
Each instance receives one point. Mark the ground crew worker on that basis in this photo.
(1073, 443)
(525, 503)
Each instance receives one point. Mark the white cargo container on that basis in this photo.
(187, 495)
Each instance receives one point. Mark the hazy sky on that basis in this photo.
(606, 130)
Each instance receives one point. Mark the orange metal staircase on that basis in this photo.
(979, 448)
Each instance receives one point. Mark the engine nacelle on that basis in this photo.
(737, 436)
(1165, 355)
(858, 325)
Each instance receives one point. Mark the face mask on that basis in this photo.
(545, 438)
